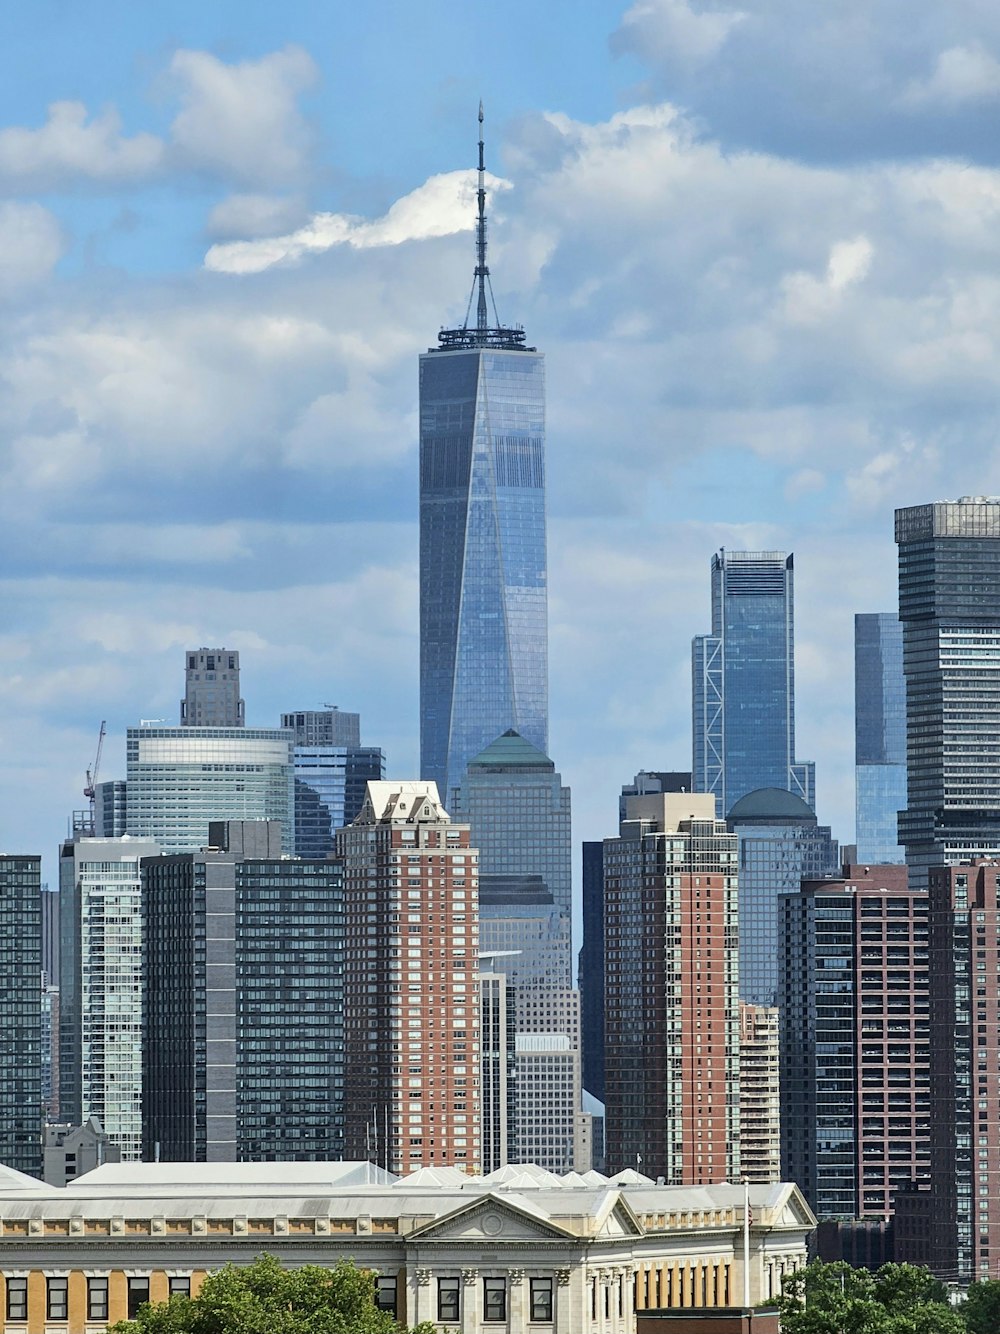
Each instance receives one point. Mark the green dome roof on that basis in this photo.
(772, 803)
(511, 751)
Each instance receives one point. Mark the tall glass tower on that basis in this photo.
(483, 594)
(743, 679)
(949, 604)
(879, 735)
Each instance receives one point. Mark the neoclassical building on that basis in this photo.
(518, 1250)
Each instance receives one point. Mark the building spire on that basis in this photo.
(483, 333)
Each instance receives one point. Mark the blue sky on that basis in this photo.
(758, 242)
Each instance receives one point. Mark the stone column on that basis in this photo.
(470, 1301)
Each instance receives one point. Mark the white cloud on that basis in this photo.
(807, 299)
(31, 245)
(674, 32)
(442, 206)
(252, 215)
(962, 75)
(242, 122)
(70, 148)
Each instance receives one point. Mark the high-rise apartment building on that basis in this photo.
(244, 994)
(949, 604)
(672, 991)
(212, 689)
(483, 567)
(180, 779)
(879, 735)
(964, 1112)
(328, 726)
(760, 1098)
(497, 1065)
(110, 809)
(781, 844)
(743, 682)
(20, 985)
(591, 971)
(100, 986)
(411, 981)
(854, 1040)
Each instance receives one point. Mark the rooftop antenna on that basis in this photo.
(482, 272)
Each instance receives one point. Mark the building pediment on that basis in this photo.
(492, 1221)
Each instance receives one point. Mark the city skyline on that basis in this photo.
(198, 455)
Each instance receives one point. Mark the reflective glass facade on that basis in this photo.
(179, 779)
(879, 735)
(949, 604)
(483, 593)
(20, 979)
(743, 682)
(329, 791)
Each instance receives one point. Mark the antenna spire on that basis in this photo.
(483, 333)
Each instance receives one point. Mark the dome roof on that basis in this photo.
(772, 803)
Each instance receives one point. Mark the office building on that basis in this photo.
(180, 779)
(20, 982)
(110, 809)
(671, 1075)
(498, 1138)
(760, 1098)
(949, 604)
(527, 934)
(854, 1040)
(962, 1217)
(550, 1120)
(72, 1151)
(100, 986)
(743, 683)
(518, 1249)
(591, 971)
(244, 994)
(332, 770)
(648, 782)
(212, 689)
(411, 1024)
(781, 844)
(879, 736)
(483, 569)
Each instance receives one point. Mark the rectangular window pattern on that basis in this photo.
(385, 1293)
(541, 1299)
(448, 1302)
(138, 1292)
(494, 1299)
(56, 1296)
(179, 1287)
(17, 1299)
(97, 1299)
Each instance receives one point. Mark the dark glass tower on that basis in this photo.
(743, 677)
(20, 978)
(949, 604)
(879, 735)
(483, 594)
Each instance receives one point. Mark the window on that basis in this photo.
(138, 1292)
(541, 1299)
(385, 1293)
(56, 1298)
(494, 1299)
(179, 1287)
(97, 1299)
(448, 1304)
(17, 1299)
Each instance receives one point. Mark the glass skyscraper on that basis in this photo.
(20, 981)
(483, 593)
(879, 735)
(949, 604)
(743, 683)
(332, 771)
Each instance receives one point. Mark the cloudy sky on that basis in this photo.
(759, 245)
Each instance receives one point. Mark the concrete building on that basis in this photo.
(70, 1151)
(949, 604)
(100, 986)
(328, 726)
(243, 997)
(20, 986)
(519, 1249)
(498, 1138)
(212, 689)
(854, 1040)
(760, 1095)
(111, 809)
(879, 736)
(411, 982)
(743, 682)
(550, 1119)
(781, 844)
(182, 778)
(672, 991)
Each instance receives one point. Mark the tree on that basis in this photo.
(266, 1298)
(838, 1299)
(981, 1308)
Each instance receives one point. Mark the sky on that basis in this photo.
(758, 243)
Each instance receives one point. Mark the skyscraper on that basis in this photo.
(20, 986)
(212, 689)
(483, 593)
(332, 771)
(949, 604)
(743, 683)
(879, 735)
(671, 1075)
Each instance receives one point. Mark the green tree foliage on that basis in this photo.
(981, 1309)
(266, 1298)
(838, 1299)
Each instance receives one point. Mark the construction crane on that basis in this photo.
(90, 791)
